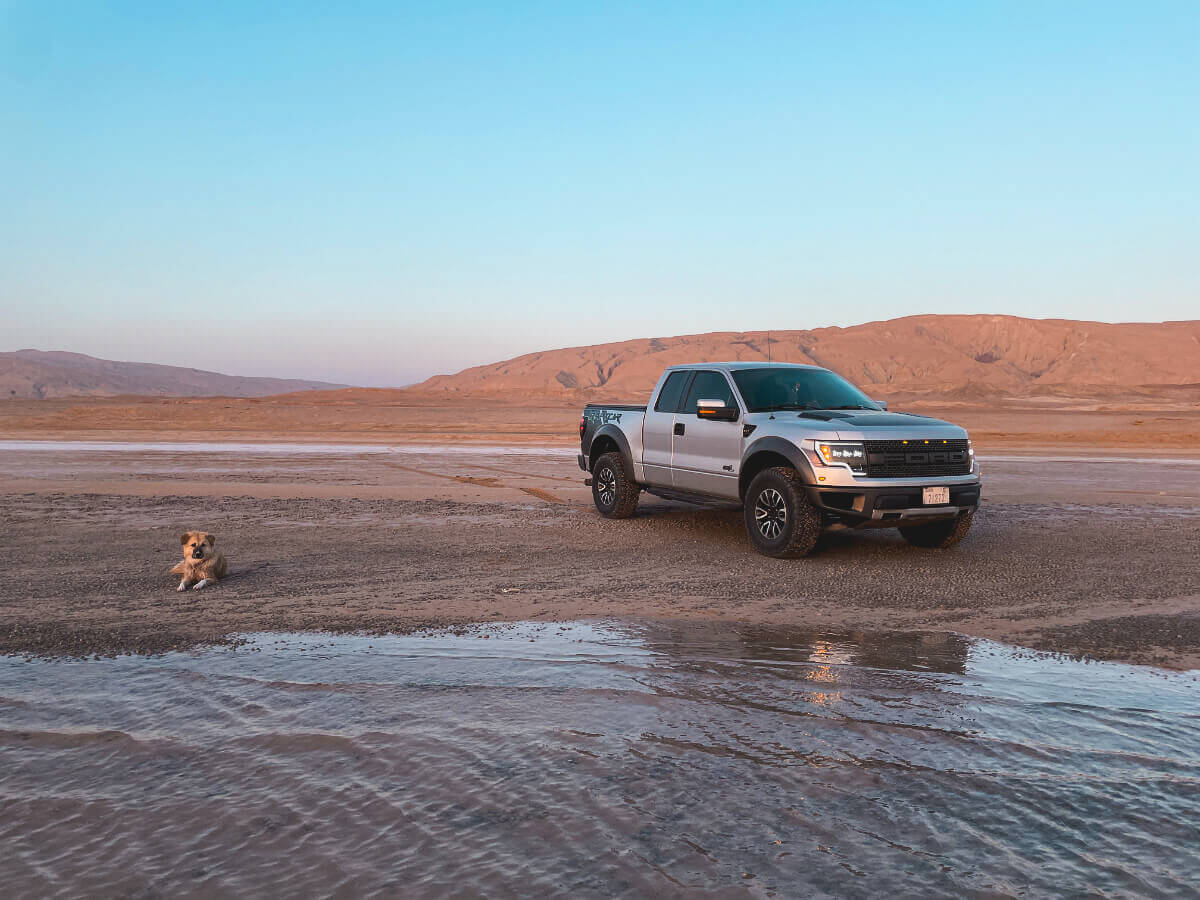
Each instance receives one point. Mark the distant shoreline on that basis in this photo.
(316, 448)
(1169, 430)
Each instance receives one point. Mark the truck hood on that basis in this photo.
(855, 425)
(895, 426)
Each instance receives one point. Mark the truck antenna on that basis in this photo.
(768, 346)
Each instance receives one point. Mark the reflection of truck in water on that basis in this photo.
(800, 448)
(802, 648)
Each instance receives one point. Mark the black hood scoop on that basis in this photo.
(866, 418)
(824, 415)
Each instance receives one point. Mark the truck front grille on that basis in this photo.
(917, 459)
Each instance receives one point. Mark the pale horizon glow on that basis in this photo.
(378, 195)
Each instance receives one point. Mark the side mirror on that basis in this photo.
(882, 404)
(717, 410)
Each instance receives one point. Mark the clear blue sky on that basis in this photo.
(374, 192)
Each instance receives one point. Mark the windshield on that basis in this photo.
(786, 388)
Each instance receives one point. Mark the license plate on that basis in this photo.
(935, 496)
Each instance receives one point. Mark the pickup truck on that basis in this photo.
(799, 448)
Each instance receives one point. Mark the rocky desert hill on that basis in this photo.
(967, 357)
(41, 374)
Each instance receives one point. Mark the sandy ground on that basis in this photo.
(1163, 426)
(1088, 557)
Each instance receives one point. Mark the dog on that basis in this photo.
(202, 564)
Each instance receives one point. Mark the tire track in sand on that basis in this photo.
(480, 481)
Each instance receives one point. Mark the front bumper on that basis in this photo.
(886, 506)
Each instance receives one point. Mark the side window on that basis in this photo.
(708, 386)
(668, 397)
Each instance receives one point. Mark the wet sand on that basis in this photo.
(1076, 556)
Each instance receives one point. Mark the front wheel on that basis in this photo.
(614, 491)
(780, 519)
(942, 534)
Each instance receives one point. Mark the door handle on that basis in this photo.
(679, 428)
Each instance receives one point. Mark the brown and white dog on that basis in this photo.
(201, 564)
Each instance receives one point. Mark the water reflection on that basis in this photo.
(933, 652)
(599, 759)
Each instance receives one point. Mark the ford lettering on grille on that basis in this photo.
(897, 459)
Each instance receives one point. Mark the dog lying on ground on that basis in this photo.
(201, 564)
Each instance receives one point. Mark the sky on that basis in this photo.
(372, 193)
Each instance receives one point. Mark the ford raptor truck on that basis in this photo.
(798, 447)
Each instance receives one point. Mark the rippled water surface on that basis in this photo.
(598, 760)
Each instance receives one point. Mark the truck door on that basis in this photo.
(706, 453)
(658, 427)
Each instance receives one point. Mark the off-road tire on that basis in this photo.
(614, 491)
(940, 535)
(780, 519)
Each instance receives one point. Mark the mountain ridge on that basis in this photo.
(44, 374)
(966, 357)
(983, 355)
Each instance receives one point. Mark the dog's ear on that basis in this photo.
(185, 537)
(211, 539)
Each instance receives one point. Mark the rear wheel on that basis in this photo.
(780, 519)
(941, 535)
(614, 491)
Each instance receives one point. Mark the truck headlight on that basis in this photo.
(842, 453)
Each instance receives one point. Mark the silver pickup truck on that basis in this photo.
(798, 447)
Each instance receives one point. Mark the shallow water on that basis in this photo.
(277, 448)
(599, 759)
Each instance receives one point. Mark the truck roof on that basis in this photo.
(742, 364)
